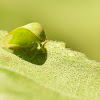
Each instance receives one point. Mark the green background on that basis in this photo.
(76, 22)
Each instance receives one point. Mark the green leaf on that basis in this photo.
(18, 87)
(66, 74)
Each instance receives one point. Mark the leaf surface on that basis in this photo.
(69, 73)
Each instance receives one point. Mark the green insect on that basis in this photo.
(25, 36)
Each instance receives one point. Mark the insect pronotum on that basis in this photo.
(25, 36)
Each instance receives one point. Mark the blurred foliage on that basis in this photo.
(75, 22)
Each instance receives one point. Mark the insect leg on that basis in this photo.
(43, 49)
